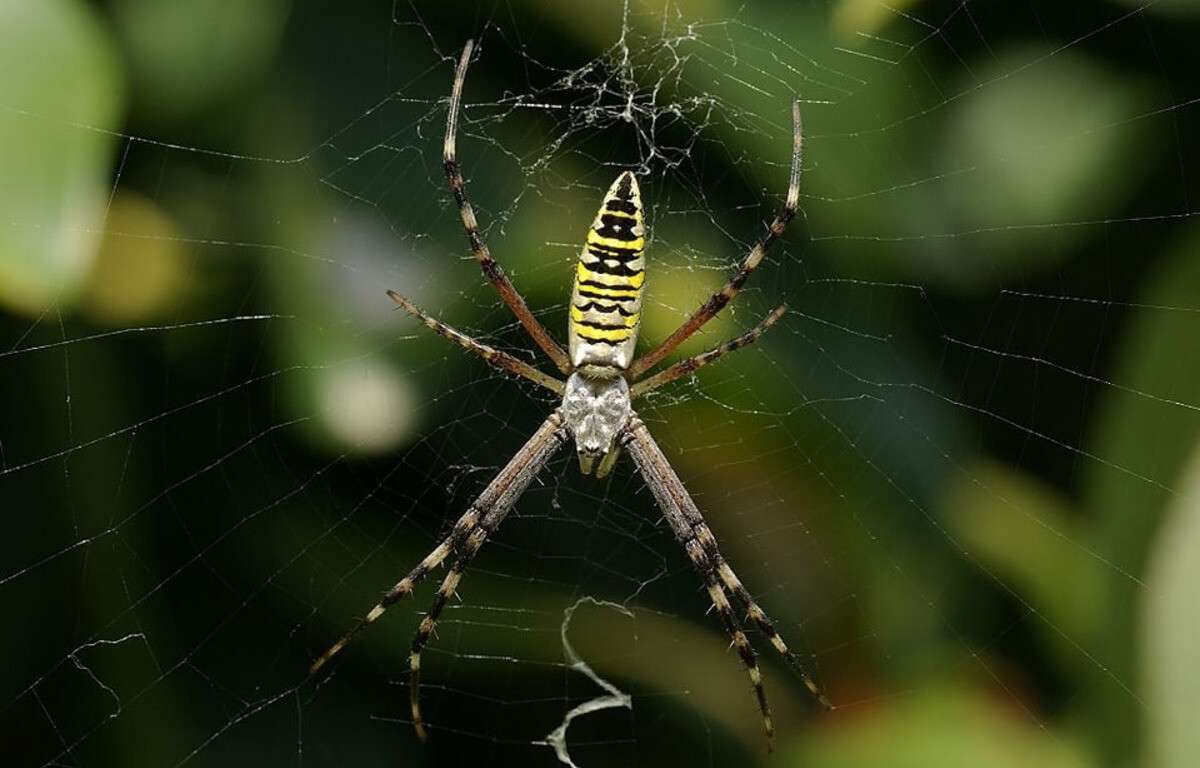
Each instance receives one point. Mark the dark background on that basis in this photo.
(959, 473)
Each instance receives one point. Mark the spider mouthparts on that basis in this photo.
(586, 462)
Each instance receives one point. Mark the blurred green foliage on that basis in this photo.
(1170, 630)
(58, 147)
(961, 475)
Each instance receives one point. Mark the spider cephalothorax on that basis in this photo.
(596, 410)
(602, 378)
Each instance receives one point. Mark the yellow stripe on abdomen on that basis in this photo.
(603, 334)
(585, 275)
(612, 242)
(609, 277)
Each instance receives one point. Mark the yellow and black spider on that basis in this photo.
(602, 380)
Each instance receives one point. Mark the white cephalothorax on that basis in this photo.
(602, 378)
(596, 410)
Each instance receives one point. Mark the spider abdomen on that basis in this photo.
(606, 303)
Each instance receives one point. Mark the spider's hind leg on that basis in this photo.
(717, 301)
(480, 520)
(425, 632)
(493, 505)
(689, 365)
(737, 636)
(425, 629)
(479, 249)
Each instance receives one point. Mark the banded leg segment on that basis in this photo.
(639, 437)
(544, 444)
(493, 356)
(658, 476)
(470, 548)
(760, 618)
(491, 268)
(718, 300)
(754, 611)
(500, 495)
(405, 586)
(729, 579)
(425, 628)
(684, 367)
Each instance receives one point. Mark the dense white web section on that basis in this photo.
(930, 472)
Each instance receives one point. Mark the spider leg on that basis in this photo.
(495, 357)
(405, 586)
(491, 269)
(718, 300)
(704, 535)
(665, 485)
(737, 589)
(496, 499)
(552, 435)
(486, 527)
(756, 614)
(684, 367)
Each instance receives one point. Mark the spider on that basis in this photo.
(601, 381)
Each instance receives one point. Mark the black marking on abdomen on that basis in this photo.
(625, 188)
(622, 231)
(608, 252)
(602, 326)
(619, 222)
(619, 270)
(592, 306)
(609, 342)
(607, 286)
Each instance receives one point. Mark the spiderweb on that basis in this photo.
(941, 473)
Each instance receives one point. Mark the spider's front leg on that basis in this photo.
(665, 485)
(480, 520)
(698, 541)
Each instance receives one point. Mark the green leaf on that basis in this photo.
(1145, 435)
(62, 98)
(1041, 147)
(1171, 631)
(184, 54)
(1027, 536)
(942, 727)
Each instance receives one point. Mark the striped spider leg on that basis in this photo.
(491, 268)
(495, 357)
(480, 520)
(715, 303)
(723, 585)
(669, 495)
(490, 511)
(666, 487)
(689, 365)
